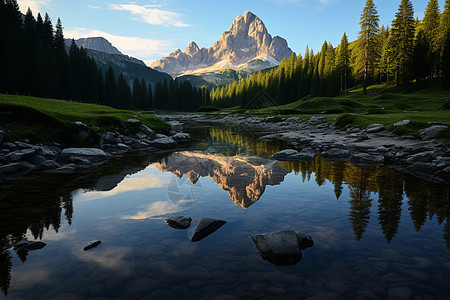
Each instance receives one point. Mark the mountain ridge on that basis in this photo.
(246, 45)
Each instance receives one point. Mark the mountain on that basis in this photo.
(105, 55)
(244, 177)
(96, 43)
(247, 46)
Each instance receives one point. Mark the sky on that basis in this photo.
(151, 29)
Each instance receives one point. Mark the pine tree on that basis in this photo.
(343, 62)
(431, 33)
(59, 37)
(444, 44)
(367, 47)
(403, 30)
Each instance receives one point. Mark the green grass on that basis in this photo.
(383, 104)
(41, 119)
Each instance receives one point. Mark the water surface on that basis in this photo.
(378, 232)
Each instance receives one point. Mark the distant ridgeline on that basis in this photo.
(408, 53)
(34, 61)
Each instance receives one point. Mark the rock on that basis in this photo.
(282, 248)
(336, 153)
(304, 155)
(204, 227)
(83, 155)
(402, 123)
(79, 123)
(133, 121)
(92, 244)
(2, 135)
(362, 136)
(46, 152)
(375, 127)
(10, 145)
(367, 158)
(66, 169)
(314, 120)
(179, 222)
(36, 160)
(29, 246)
(141, 135)
(423, 157)
(284, 154)
(16, 169)
(147, 131)
(164, 143)
(108, 138)
(160, 136)
(50, 164)
(176, 126)
(182, 137)
(20, 154)
(431, 132)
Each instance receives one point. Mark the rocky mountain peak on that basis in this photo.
(95, 43)
(246, 43)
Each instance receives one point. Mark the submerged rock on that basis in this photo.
(92, 244)
(29, 246)
(282, 248)
(179, 222)
(204, 227)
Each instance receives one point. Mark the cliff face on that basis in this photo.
(247, 43)
(244, 178)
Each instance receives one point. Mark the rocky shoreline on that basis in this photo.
(427, 158)
(20, 158)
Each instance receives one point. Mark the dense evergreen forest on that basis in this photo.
(34, 61)
(410, 52)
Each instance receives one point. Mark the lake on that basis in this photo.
(378, 233)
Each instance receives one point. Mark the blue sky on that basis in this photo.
(151, 29)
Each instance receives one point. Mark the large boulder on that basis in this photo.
(423, 157)
(306, 154)
(179, 222)
(16, 169)
(282, 248)
(204, 227)
(147, 131)
(336, 153)
(89, 156)
(284, 154)
(21, 154)
(431, 132)
(176, 126)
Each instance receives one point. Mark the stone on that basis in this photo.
(16, 169)
(314, 120)
(133, 121)
(375, 127)
(282, 248)
(29, 245)
(164, 143)
(367, 158)
(2, 135)
(284, 154)
(66, 169)
(44, 151)
(10, 145)
(141, 135)
(20, 154)
(402, 123)
(182, 137)
(92, 244)
(423, 157)
(36, 160)
(147, 131)
(179, 222)
(306, 154)
(86, 155)
(336, 153)
(176, 126)
(204, 228)
(431, 132)
(399, 293)
(79, 123)
(362, 136)
(108, 138)
(50, 164)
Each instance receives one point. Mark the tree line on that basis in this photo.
(409, 52)
(34, 61)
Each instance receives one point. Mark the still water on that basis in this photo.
(378, 233)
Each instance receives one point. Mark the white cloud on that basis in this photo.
(146, 49)
(34, 5)
(157, 208)
(151, 14)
